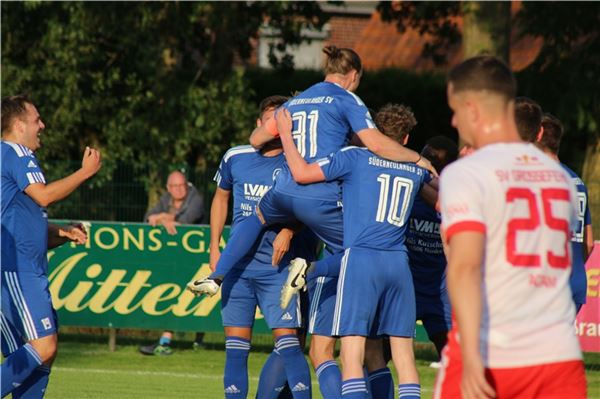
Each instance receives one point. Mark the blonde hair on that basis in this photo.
(341, 60)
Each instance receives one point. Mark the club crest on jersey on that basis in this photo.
(528, 160)
(275, 173)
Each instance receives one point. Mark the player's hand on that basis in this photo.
(153, 220)
(91, 162)
(473, 384)
(424, 163)
(215, 254)
(74, 232)
(281, 245)
(170, 226)
(284, 122)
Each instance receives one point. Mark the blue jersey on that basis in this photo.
(249, 174)
(24, 222)
(425, 250)
(378, 195)
(578, 281)
(324, 118)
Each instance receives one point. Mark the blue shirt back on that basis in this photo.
(249, 174)
(578, 280)
(24, 222)
(425, 250)
(324, 118)
(378, 195)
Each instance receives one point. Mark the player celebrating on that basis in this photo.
(582, 240)
(249, 173)
(506, 212)
(28, 320)
(325, 116)
(374, 235)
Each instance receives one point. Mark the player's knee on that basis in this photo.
(320, 352)
(46, 348)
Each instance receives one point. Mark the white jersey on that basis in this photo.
(524, 202)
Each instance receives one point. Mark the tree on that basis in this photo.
(152, 84)
(564, 78)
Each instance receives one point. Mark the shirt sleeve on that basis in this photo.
(356, 113)
(25, 171)
(338, 165)
(223, 177)
(461, 198)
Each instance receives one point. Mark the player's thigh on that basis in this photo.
(275, 207)
(27, 305)
(435, 313)
(324, 218)
(397, 311)
(267, 287)
(358, 293)
(238, 301)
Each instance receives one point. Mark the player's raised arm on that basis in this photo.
(218, 216)
(388, 148)
(46, 194)
(302, 171)
(263, 133)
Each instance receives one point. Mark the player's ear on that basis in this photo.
(258, 122)
(540, 134)
(405, 141)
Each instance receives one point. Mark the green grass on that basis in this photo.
(89, 370)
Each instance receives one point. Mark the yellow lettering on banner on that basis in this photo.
(98, 301)
(160, 293)
(111, 232)
(593, 282)
(57, 279)
(128, 237)
(123, 302)
(201, 245)
(75, 297)
(181, 307)
(157, 243)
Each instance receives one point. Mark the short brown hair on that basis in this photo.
(484, 73)
(528, 117)
(341, 60)
(395, 121)
(553, 132)
(13, 107)
(270, 102)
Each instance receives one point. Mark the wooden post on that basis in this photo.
(112, 338)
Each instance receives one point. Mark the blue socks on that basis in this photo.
(164, 341)
(409, 391)
(330, 379)
(33, 387)
(235, 379)
(241, 241)
(272, 377)
(382, 384)
(17, 367)
(329, 266)
(296, 368)
(354, 388)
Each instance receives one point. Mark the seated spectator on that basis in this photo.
(181, 204)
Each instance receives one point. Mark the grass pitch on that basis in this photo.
(90, 370)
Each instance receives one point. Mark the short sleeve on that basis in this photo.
(25, 170)
(461, 198)
(338, 165)
(223, 177)
(356, 113)
(587, 217)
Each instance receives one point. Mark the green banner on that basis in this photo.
(132, 275)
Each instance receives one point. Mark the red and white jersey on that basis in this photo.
(524, 203)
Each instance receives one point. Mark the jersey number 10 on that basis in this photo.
(401, 189)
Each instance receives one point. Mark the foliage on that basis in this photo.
(148, 83)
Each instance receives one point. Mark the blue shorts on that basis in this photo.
(435, 313)
(324, 218)
(243, 290)
(321, 292)
(27, 311)
(375, 288)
